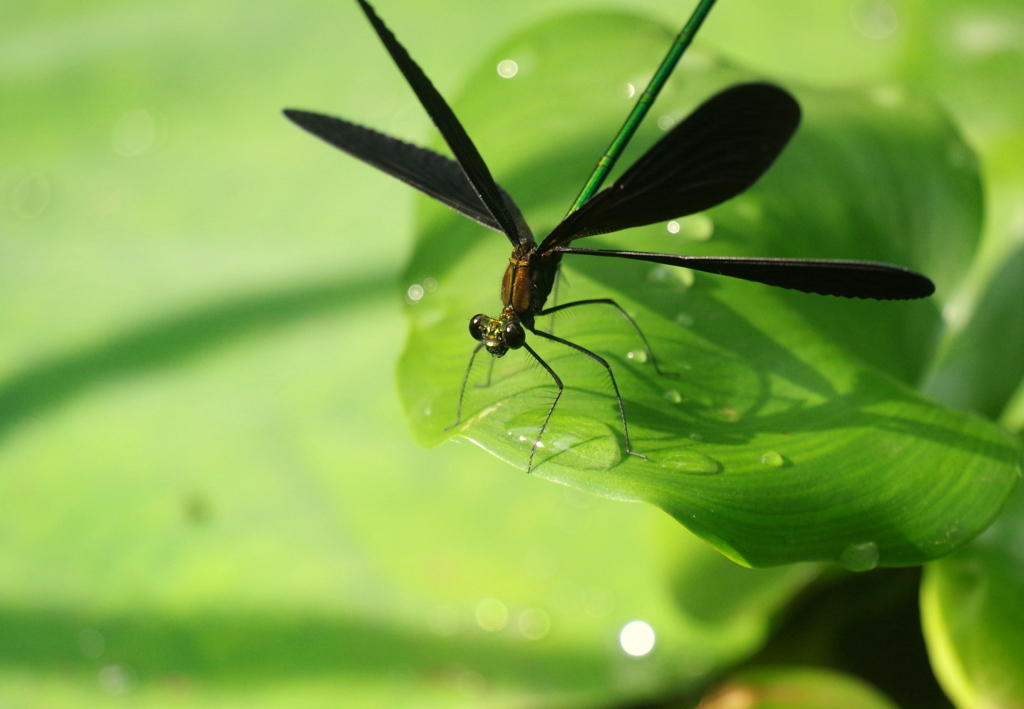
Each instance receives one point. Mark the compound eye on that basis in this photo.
(514, 335)
(476, 326)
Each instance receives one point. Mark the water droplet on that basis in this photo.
(134, 133)
(773, 459)
(673, 227)
(684, 319)
(685, 460)
(637, 638)
(860, 557)
(674, 396)
(507, 69)
(491, 614)
(696, 227)
(574, 441)
(875, 19)
(414, 294)
(637, 356)
(627, 91)
(696, 436)
(427, 411)
(429, 284)
(666, 122)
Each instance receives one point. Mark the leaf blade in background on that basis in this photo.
(973, 618)
(795, 688)
(982, 365)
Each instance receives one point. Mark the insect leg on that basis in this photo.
(600, 360)
(490, 371)
(462, 391)
(609, 301)
(547, 419)
(554, 296)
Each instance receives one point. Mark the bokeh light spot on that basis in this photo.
(491, 614)
(637, 638)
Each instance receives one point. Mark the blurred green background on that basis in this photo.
(208, 493)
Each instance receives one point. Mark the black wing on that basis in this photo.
(424, 169)
(850, 279)
(719, 151)
(452, 131)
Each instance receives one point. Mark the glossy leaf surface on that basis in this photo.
(776, 440)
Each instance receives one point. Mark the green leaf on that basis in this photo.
(789, 688)
(983, 364)
(774, 440)
(973, 616)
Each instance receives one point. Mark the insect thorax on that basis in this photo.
(528, 280)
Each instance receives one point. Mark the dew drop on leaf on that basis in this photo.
(860, 557)
(685, 460)
(570, 440)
